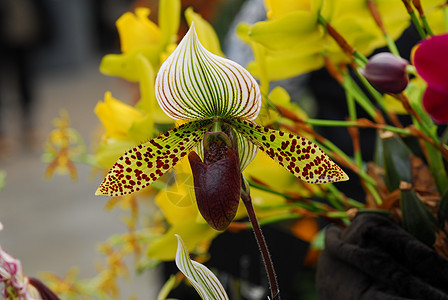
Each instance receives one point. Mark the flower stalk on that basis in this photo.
(414, 19)
(269, 266)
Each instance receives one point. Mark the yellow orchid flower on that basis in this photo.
(125, 126)
(116, 116)
(294, 41)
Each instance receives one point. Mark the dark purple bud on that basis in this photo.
(217, 180)
(387, 72)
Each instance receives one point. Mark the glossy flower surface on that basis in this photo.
(430, 60)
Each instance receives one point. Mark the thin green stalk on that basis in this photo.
(352, 88)
(375, 94)
(374, 193)
(311, 206)
(391, 44)
(426, 25)
(351, 107)
(357, 151)
(340, 123)
(335, 203)
(338, 195)
(328, 146)
(362, 59)
(417, 24)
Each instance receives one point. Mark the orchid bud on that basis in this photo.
(387, 72)
(217, 180)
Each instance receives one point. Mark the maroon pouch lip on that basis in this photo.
(217, 188)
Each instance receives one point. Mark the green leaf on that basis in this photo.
(397, 165)
(298, 155)
(417, 219)
(145, 163)
(203, 280)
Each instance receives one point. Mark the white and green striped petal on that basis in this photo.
(144, 164)
(195, 84)
(246, 150)
(202, 279)
(298, 155)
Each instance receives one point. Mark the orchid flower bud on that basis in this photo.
(387, 72)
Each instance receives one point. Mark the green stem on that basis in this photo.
(339, 123)
(345, 201)
(391, 45)
(333, 148)
(417, 24)
(216, 126)
(426, 25)
(311, 206)
(374, 193)
(375, 94)
(352, 88)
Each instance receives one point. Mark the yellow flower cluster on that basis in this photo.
(292, 40)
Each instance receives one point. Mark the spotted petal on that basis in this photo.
(298, 155)
(144, 164)
(195, 84)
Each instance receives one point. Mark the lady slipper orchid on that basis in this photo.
(387, 72)
(219, 99)
(429, 59)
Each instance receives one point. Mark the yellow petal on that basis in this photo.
(192, 233)
(287, 66)
(116, 116)
(136, 30)
(206, 34)
(268, 171)
(142, 130)
(177, 202)
(169, 20)
(277, 9)
(299, 27)
(148, 102)
(110, 150)
(126, 65)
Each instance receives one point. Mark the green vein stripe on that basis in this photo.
(195, 84)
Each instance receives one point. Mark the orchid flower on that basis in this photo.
(429, 58)
(217, 99)
(18, 286)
